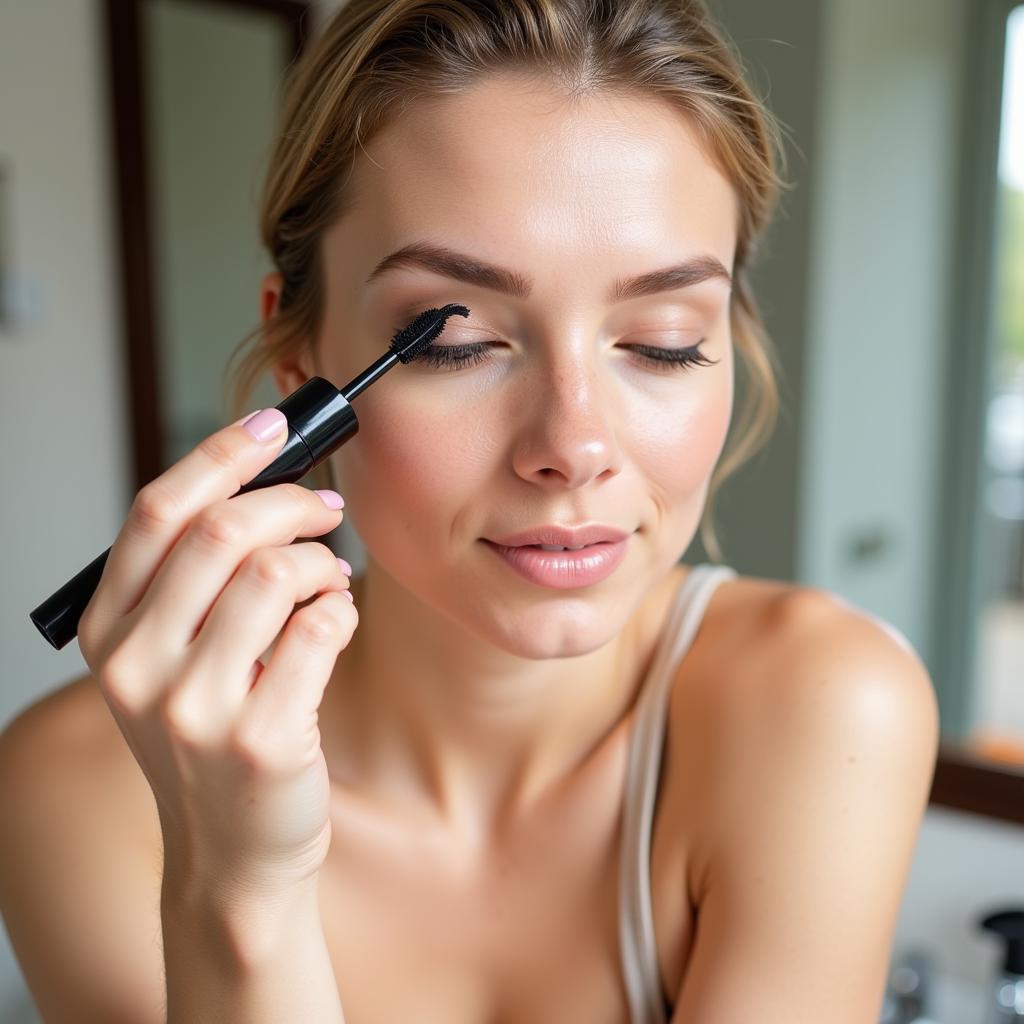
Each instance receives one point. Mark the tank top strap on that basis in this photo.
(636, 922)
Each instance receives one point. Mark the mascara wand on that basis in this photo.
(405, 346)
(320, 420)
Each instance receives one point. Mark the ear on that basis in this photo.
(270, 295)
(291, 372)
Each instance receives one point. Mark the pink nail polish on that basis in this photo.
(348, 594)
(265, 424)
(332, 499)
(345, 567)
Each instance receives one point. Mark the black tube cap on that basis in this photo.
(1009, 924)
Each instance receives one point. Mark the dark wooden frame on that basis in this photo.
(964, 782)
(961, 781)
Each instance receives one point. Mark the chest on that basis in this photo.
(523, 932)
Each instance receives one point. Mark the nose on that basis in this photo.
(567, 438)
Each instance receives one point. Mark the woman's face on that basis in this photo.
(559, 421)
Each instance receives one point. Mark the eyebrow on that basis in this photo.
(463, 267)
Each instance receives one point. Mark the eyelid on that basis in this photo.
(664, 334)
(487, 336)
(482, 332)
(665, 359)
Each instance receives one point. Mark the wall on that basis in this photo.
(779, 46)
(64, 453)
(883, 241)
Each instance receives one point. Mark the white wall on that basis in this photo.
(64, 449)
(64, 499)
(63, 430)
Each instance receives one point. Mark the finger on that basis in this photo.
(212, 471)
(289, 690)
(213, 547)
(248, 616)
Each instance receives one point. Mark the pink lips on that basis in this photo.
(563, 536)
(563, 570)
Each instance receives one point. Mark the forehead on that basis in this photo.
(511, 162)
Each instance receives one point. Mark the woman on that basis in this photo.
(669, 793)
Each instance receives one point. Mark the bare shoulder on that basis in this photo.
(821, 731)
(71, 728)
(816, 653)
(80, 887)
(76, 708)
(779, 645)
(796, 673)
(70, 733)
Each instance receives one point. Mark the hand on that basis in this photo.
(198, 586)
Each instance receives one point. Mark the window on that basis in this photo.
(997, 727)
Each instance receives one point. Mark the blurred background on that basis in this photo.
(133, 137)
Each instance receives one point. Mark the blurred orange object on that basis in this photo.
(998, 746)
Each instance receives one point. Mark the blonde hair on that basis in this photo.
(375, 55)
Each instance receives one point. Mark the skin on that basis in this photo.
(499, 687)
(475, 728)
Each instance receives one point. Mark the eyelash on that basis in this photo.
(662, 360)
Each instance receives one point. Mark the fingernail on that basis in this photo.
(345, 567)
(332, 499)
(266, 424)
(348, 594)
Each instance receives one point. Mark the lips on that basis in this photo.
(563, 570)
(562, 536)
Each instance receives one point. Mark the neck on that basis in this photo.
(422, 710)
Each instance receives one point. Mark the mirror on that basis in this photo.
(997, 722)
(212, 77)
(196, 91)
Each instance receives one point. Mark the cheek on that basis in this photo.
(414, 452)
(677, 446)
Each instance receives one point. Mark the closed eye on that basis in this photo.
(656, 357)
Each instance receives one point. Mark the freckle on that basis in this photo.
(851, 759)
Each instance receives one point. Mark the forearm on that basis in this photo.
(252, 965)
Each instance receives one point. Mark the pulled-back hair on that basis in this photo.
(376, 55)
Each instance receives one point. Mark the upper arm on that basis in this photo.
(821, 788)
(79, 889)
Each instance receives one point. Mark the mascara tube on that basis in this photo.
(320, 420)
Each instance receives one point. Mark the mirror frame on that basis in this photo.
(965, 782)
(962, 781)
(127, 101)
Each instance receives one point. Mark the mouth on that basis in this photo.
(555, 537)
(561, 568)
(556, 547)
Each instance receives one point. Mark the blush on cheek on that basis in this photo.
(411, 471)
(677, 464)
(677, 450)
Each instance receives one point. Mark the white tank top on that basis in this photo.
(647, 1001)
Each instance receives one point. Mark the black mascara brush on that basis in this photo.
(320, 420)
